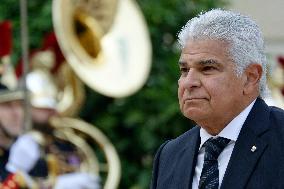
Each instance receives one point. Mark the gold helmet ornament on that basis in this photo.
(42, 89)
(52, 77)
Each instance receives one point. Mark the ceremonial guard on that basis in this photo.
(11, 111)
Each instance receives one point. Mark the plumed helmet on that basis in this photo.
(42, 88)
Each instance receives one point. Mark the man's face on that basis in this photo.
(42, 115)
(12, 117)
(209, 91)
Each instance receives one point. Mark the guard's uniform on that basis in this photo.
(4, 154)
(8, 180)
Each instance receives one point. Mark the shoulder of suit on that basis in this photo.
(276, 110)
(276, 114)
(187, 135)
(180, 141)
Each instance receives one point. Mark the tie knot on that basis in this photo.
(214, 146)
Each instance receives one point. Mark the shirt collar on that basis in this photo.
(232, 130)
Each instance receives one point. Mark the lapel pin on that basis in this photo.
(253, 148)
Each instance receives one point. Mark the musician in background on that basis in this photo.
(11, 116)
(32, 151)
(11, 110)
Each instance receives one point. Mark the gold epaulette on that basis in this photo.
(13, 181)
(18, 181)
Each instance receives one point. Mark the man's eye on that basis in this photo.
(209, 68)
(184, 70)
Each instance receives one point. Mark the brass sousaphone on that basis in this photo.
(107, 45)
(106, 42)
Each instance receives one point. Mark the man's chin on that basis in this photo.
(11, 133)
(194, 114)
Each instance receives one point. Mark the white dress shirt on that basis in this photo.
(231, 131)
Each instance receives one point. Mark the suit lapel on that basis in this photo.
(248, 148)
(185, 167)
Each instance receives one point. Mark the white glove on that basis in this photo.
(24, 154)
(77, 181)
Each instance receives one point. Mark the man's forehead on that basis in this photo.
(205, 52)
(194, 46)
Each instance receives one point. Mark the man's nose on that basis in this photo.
(192, 80)
(17, 108)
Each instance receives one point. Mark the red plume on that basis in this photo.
(5, 38)
(19, 67)
(50, 42)
(281, 61)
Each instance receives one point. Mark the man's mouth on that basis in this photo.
(195, 98)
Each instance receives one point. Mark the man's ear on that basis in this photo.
(253, 74)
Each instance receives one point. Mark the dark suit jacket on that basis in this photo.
(262, 169)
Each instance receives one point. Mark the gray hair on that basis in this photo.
(240, 31)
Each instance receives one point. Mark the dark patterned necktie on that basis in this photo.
(209, 178)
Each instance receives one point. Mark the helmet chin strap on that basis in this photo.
(6, 133)
(8, 138)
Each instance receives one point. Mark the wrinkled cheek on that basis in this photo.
(180, 95)
(180, 88)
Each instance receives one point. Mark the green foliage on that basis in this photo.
(139, 124)
(39, 22)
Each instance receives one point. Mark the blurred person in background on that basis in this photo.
(11, 125)
(11, 110)
(32, 151)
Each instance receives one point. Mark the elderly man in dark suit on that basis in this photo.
(239, 140)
